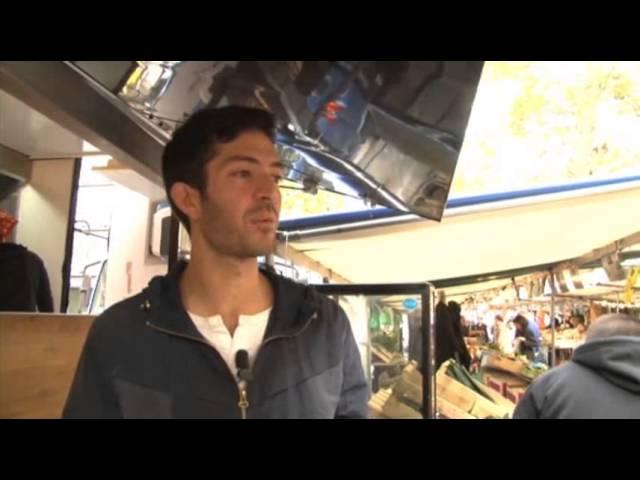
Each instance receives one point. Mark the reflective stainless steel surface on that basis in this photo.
(388, 132)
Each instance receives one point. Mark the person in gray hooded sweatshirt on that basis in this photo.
(602, 380)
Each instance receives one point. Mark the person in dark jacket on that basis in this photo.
(24, 282)
(445, 345)
(449, 339)
(602, 380)
(218, 337)
(528, 338)
(462, 353)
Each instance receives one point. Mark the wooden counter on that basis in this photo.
(38, 357)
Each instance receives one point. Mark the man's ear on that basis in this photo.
(187, 199)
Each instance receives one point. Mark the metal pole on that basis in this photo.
(68, 247)
(368, 350)
(432, 351)
(553, 323)
(428, 355)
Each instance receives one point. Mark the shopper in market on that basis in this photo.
(24, 281)
(528, 337)
(449, 340)
(602, 380)
(445, 345)
(460, 348)
(578, 322)
(501, 334)
(218, 337)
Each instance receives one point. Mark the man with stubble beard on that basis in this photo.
(218, 337)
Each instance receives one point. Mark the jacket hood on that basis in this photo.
(616, 358)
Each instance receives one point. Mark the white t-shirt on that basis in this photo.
(248, 335)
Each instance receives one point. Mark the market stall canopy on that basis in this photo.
(492, 237)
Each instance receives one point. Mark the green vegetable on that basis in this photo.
(460, 373)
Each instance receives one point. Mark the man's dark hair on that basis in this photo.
(612, 325)
(520, 320)
(196, 141)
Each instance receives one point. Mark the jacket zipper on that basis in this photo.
(204, 342)
(243, 402)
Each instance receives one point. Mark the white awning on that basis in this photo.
(500, 237)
